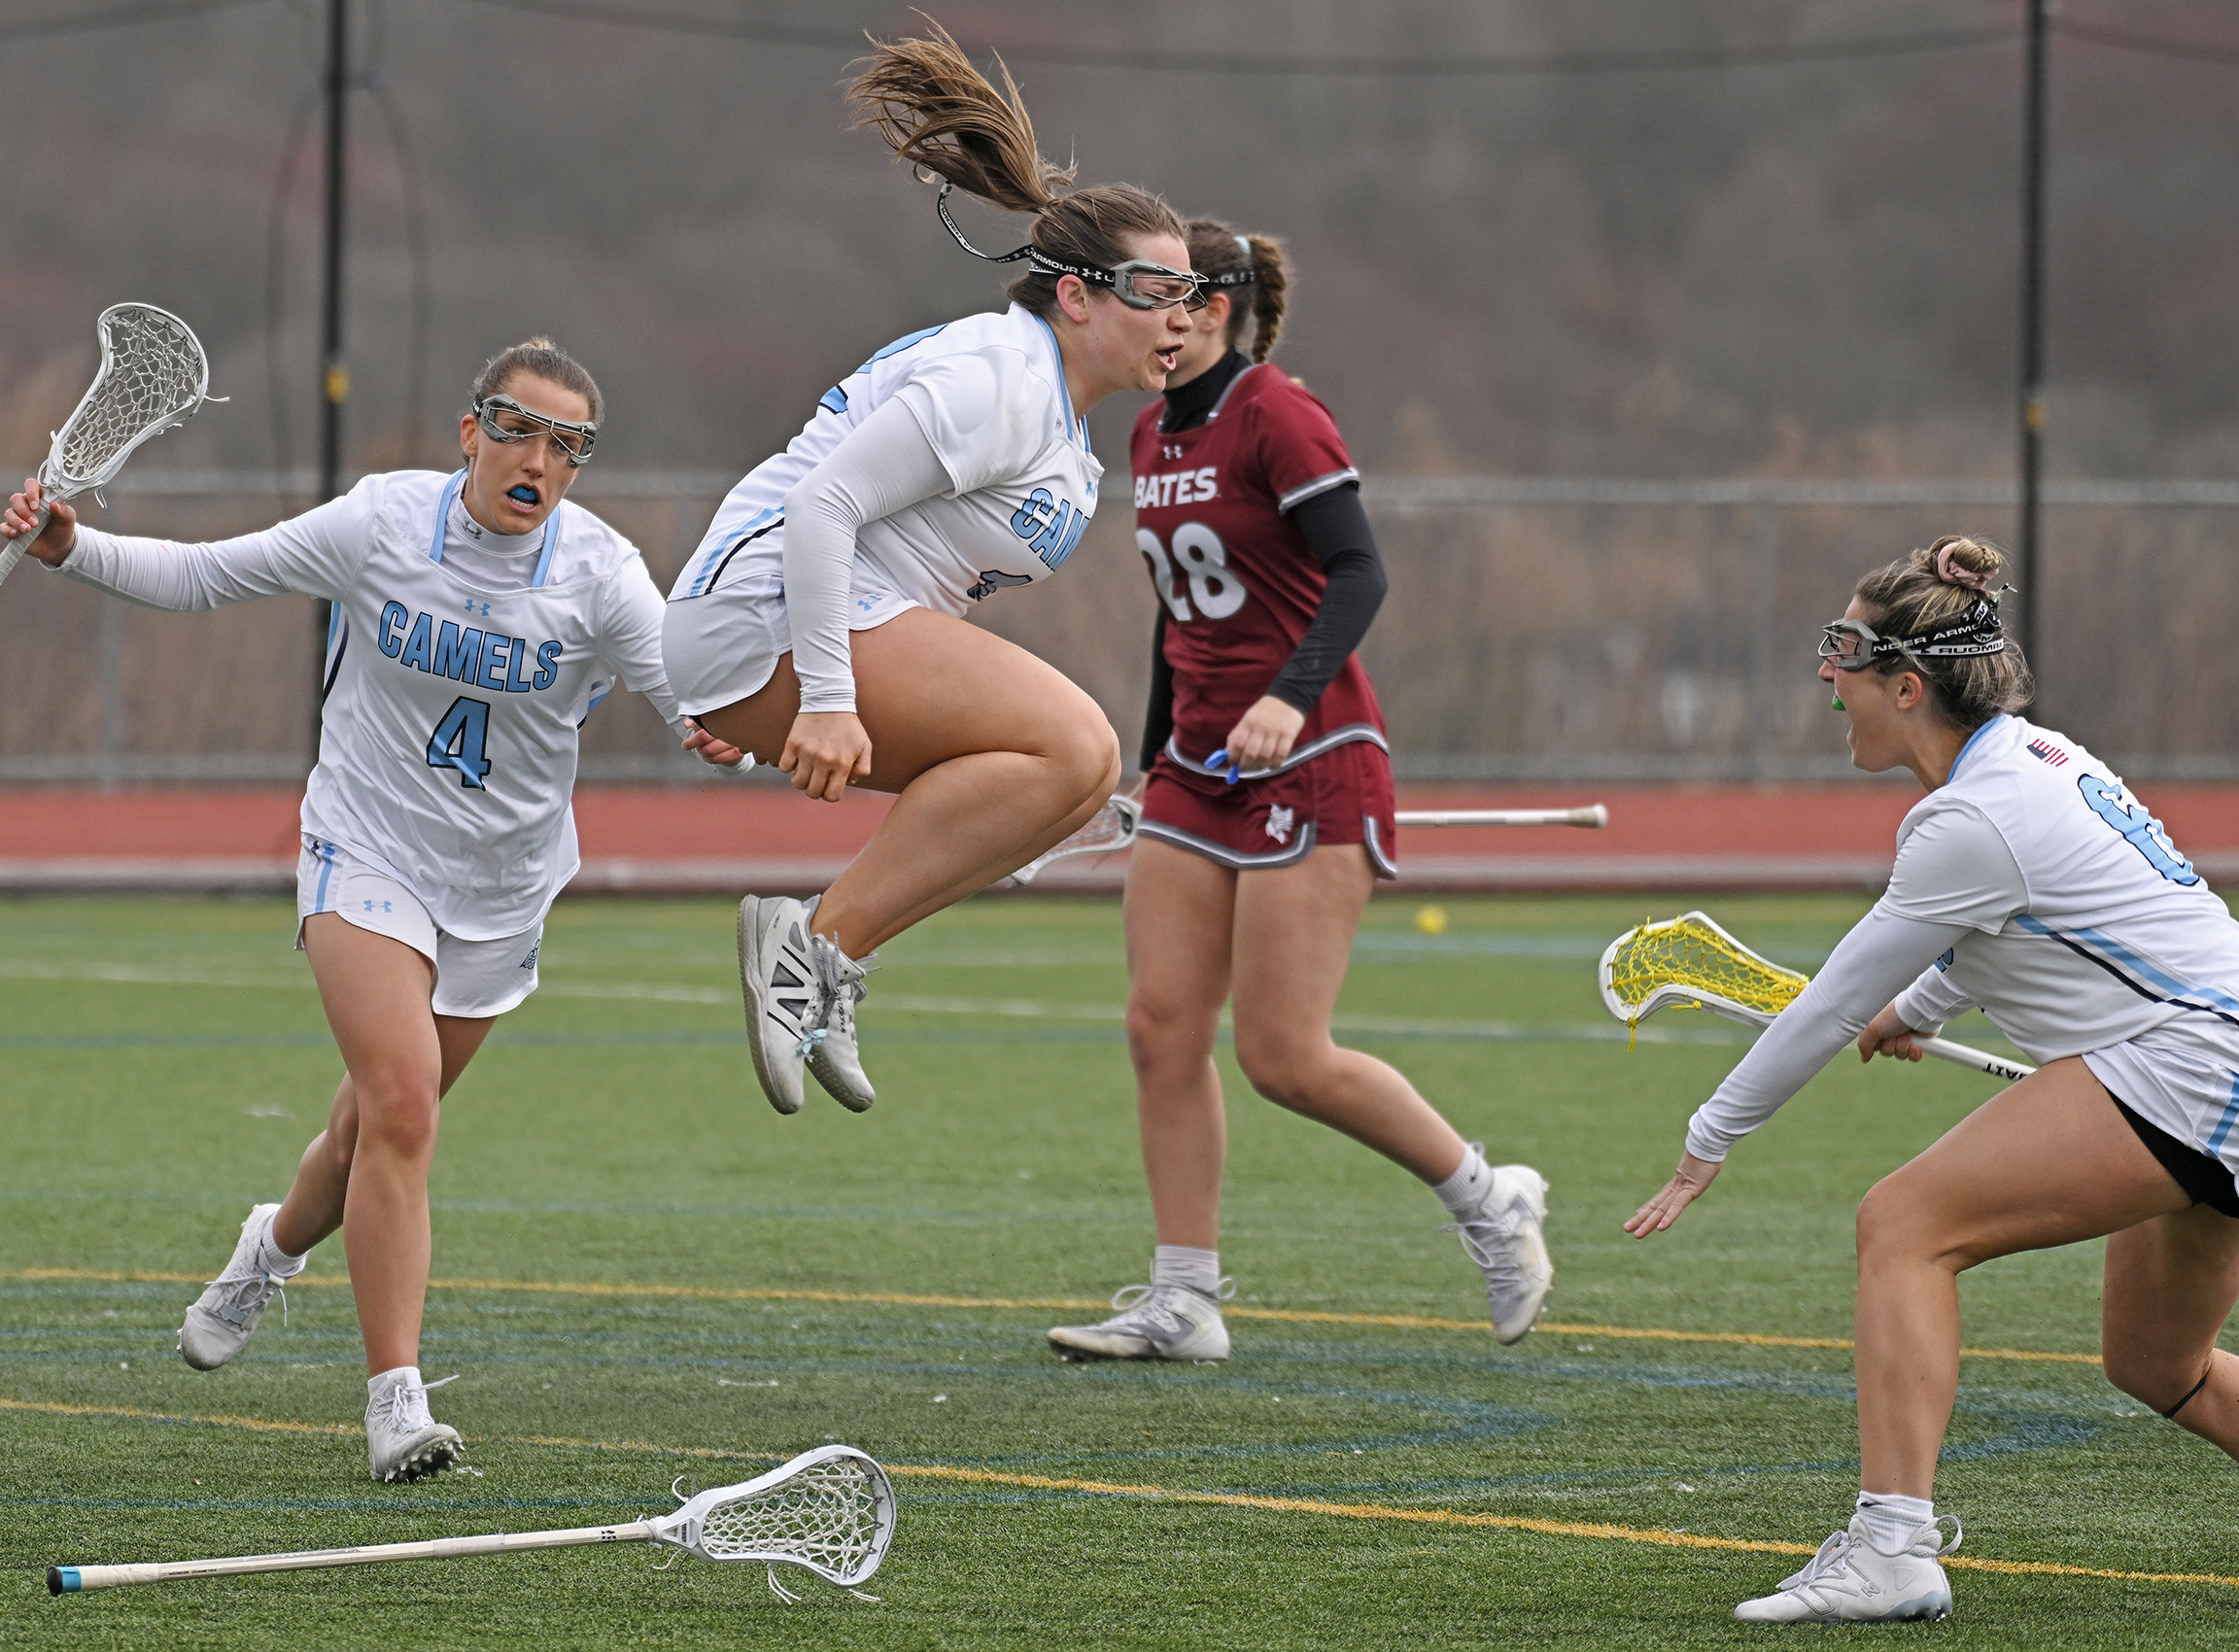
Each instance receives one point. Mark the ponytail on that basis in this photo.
(1231, 261)
(938, 113)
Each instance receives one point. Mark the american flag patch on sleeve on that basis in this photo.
(2047, 751)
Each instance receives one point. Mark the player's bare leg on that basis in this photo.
(367, 1172)
(1294, 928)
(2171, 1284)
(994, 756)
(2046, 1163)
(1181, 912)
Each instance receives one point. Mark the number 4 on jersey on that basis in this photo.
(460, 739)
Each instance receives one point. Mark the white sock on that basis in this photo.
(400, 1377)
(1464, 1190)
(273, 1259)
(1182, 1264)
(1891, 1518)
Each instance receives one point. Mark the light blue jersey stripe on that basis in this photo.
(1076, 429)
(2114, 952)
(443, 517)
(1969, 746)
(326, 854)
(714, 556)
(544, 555)
(2224, 1124)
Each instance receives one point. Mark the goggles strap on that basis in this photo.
(1041, 261)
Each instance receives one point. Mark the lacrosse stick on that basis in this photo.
(1113, 828)
(1692, 963)
(829, 1511)
(152, 378)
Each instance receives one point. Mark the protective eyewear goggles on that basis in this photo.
(505, 420)
(1138, 282)
(1852, 645)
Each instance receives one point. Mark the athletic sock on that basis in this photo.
(401, 1376)
(273, 1259)
(1464, 1192)
(1182, 1264)
(1892, 1518)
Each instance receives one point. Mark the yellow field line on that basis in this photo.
(1597, 1531)
(1290, 1315)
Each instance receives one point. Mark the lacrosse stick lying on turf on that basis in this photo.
(829, 1511)
(152, 378)
(1691, 962)
(1113, 828)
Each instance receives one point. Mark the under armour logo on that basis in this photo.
(871, 600)
(1169, 450)
(1279, 821)
(485, 609)
(379, 906)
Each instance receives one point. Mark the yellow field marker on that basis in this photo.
(887, 1298)
(1595, 1531)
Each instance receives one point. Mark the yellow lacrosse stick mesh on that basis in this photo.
(1690, 962)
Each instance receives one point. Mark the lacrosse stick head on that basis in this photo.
(1109, 830)
(829, 1511)
(154, 375)
(1691, 962)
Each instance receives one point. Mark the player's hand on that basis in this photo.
(1886, 1035)
(824, 752)
(1687, 1184)
(54, 547)
(721, 753)
(1266, 733)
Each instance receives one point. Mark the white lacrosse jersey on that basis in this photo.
(460, 665)
(990, 393)
(2086, 927)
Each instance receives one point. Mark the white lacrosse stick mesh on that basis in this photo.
(1109, 830)
(829, 1511)
(154, 375)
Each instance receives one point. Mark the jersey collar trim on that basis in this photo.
(1231, 390)
(1970, 746)
(451, 491)
(1076, 429)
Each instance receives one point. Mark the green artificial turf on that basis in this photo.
(163, 1063)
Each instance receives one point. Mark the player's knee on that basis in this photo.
(399, 1115)
(1090, 757)
(1278, 1069)
(1162, 1034)
(2157, 1377)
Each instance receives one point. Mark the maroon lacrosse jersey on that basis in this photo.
(1239, 584)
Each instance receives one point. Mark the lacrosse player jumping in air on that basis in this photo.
(477, 621)
(2031, 883)
(1249, 875)
(822, 617)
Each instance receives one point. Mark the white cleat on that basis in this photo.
(403, 1441)
(829, 1040)
(1508, 1239)
(1155, 1321)
(778, 979)
(1851, 1581)
(226, 1316)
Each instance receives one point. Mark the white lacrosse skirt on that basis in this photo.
(724, 646)
(472, 977)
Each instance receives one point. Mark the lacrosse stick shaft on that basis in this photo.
(1593, 815)
(1943, 1049)
(75, 1579)
(14, 551)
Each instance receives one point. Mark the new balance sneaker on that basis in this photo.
(402, 1442)
(830, 1037)
(226, 1316)
(1155, 1321)
(1507, 1238)
(1851, 1581)
(778, 978)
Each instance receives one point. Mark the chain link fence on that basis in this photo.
(1537, 628)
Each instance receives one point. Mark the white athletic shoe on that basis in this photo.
(1508, 1239)
(402, 1442)
(830, 1036)
(1155, 1321)
(778, 978)
(226, 1316)
(1851, 1581)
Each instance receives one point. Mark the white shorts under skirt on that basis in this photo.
(472, 977)
(2182, 1082)
(721, 647)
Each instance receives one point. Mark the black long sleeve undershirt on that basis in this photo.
(1336, 531)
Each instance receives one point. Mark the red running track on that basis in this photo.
(743, 836)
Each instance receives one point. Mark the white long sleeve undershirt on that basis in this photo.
(1883, 956)
(885, 464)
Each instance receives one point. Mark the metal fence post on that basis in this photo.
(110, 758)
(1764, 560)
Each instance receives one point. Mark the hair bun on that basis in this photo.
(1953, 571)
